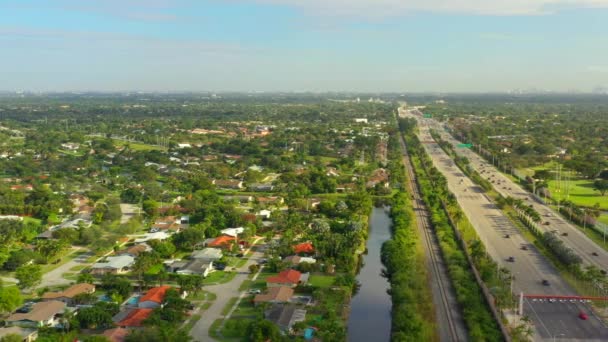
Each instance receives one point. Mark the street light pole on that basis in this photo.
(585, 220)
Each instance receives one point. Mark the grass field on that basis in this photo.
(321, 280)
(137, 146)
(578, 190)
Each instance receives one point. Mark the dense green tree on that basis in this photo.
(10, 299)
(28, 275)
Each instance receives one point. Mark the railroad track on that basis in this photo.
(439, 274)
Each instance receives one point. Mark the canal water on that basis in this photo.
(370, 314)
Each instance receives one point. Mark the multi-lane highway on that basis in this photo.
(588, 250)
(532, 273)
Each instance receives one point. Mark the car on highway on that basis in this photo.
(507, 236)
(524, 247)
(545, 282)
(511, 259)
(582, 315)
(594, 254)
(564, 234)
(546, 223)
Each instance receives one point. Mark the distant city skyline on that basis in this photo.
(304, 45)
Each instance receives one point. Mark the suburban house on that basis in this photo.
(167, 223)
(132, 318)
(346, 187)
(42, 314)
(290, 278)
(116, 334)
(264, 214)
(223, 241)
(201, 262)
(27, 335)
(153, 298)
(379, 176)
(234, 232)
(193, 267)
(332, 172)
(240, 199)
(114, 264)
(153, 236)
(261, 187)
(135, 250)
(280, 294)
(304, 248)
(272, 200)
(285, 316)
(230, 184)
(296, 259)
(67, 295)
(209, 254)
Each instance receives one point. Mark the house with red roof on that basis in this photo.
(223, 241)
(289, 278)
(154, 297)
(305, 248)
(132, 318)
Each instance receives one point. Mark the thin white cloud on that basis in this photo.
(602, 69)
(382, 8)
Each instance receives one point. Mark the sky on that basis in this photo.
(303, 45)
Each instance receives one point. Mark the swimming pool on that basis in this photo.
(133, 300)
(105, 298)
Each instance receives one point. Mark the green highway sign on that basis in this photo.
(465, 145)
(427, 116)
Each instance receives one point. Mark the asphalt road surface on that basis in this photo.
(572, 236)
(529, 268)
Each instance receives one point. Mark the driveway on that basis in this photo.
(224, 292)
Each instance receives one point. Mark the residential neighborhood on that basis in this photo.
(210, 234)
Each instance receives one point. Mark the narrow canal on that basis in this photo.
(370, 314)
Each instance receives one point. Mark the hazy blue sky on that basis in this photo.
(303, 45)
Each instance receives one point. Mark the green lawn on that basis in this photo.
(229, 305)
(245, 285)
(155, 269)
(321, 280)
(137, 146)
(580, 190)
(219, 277)
(580, 193)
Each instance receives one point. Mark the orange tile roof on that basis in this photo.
(135, 318)
(221, 241)
(71, 292)
(305, 247)
(285, 277)
(155, 294)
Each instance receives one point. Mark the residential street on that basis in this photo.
(224, 292)
(55, 277)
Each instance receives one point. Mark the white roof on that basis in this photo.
(308, 260)
(116, 262)
(153, 236)
(207, 253)
(233, 231)
(264, 212)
